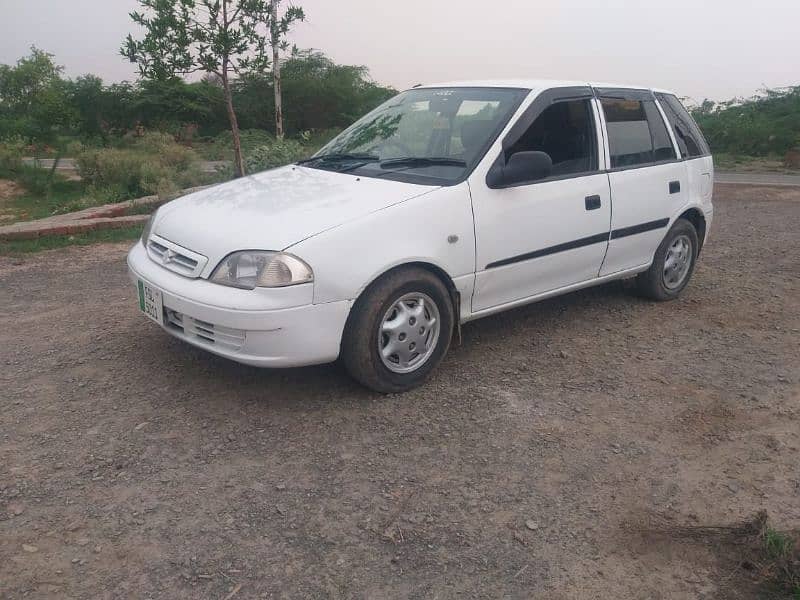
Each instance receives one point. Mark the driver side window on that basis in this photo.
(566, 132)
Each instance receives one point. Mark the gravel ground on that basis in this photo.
(554, 454)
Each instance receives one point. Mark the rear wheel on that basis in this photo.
(673, 263)
(399, 331)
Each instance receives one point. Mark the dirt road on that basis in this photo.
(551, 455)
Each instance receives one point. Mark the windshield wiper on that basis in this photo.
(339, 157)
(422, 161)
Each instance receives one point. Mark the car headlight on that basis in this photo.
(148, 226)
(259, 268)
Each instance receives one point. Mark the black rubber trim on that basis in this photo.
(587, 241)
(641, 228)
(580, 243)
(669, 161)
(623, 93)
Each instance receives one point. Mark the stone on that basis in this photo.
(531, 524)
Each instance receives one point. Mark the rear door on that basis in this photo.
(648, 180)
(548, 233)
(692, 146)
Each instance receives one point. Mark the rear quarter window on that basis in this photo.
(690, 139)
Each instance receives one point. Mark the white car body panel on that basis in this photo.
(419, 230)
(529, 219)
(629, 187)
(273, 210)
(279, 327)
(351, 230)
(515, 221)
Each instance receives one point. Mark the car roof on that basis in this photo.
(538, 84)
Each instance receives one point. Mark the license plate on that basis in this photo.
(151, 303)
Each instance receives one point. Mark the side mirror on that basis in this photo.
(522, 167)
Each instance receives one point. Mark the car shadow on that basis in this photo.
(318, 385)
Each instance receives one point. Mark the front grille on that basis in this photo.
(207, 333)
(174, 257)
(162, 252)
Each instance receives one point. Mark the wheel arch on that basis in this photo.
(436, 270)
(696, 217)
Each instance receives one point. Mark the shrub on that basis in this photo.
(275, 154)
(768, 124)
(37, 181)
(112, 168)
(11, 150)
(318, 138)
(152, 164)
(221, 147)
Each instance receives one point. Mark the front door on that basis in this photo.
(549, 233)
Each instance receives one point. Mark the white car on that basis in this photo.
(445, 204)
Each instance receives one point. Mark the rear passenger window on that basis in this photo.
(628, 133)
(688, 135)
(637, 134)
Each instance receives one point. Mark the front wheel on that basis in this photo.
(399, 331)
(673, 263)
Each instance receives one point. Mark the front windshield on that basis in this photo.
(425, 135)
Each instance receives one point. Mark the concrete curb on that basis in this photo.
(107, 216)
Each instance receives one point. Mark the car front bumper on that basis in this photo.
(278, 327)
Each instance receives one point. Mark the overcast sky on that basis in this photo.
(699, 48)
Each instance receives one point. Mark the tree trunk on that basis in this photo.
(238, 159)
(276, 71)
(51, 176)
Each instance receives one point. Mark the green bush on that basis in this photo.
(275, 154)
(152, 164)
(761, 126)
(35, 180)
(221, 146)
(314, 140)
(11, 151)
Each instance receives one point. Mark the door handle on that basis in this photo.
(674, 187)
(593, 202)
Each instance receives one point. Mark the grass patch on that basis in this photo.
(37, 202)
(79, 239)
(763, 558)
(782, 560)
(143, 209)
(752, 164)
(42, 196)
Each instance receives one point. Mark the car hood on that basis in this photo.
(274, 209)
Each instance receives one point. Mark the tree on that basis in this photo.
(322, 94)
(34, 103)
(88, 98)
(318, 95)
(279, 27)
(228, 38)
(172, 104)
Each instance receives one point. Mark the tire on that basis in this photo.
(391, 306)
(664, 281)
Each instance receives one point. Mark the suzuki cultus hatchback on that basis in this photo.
(445, 204)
